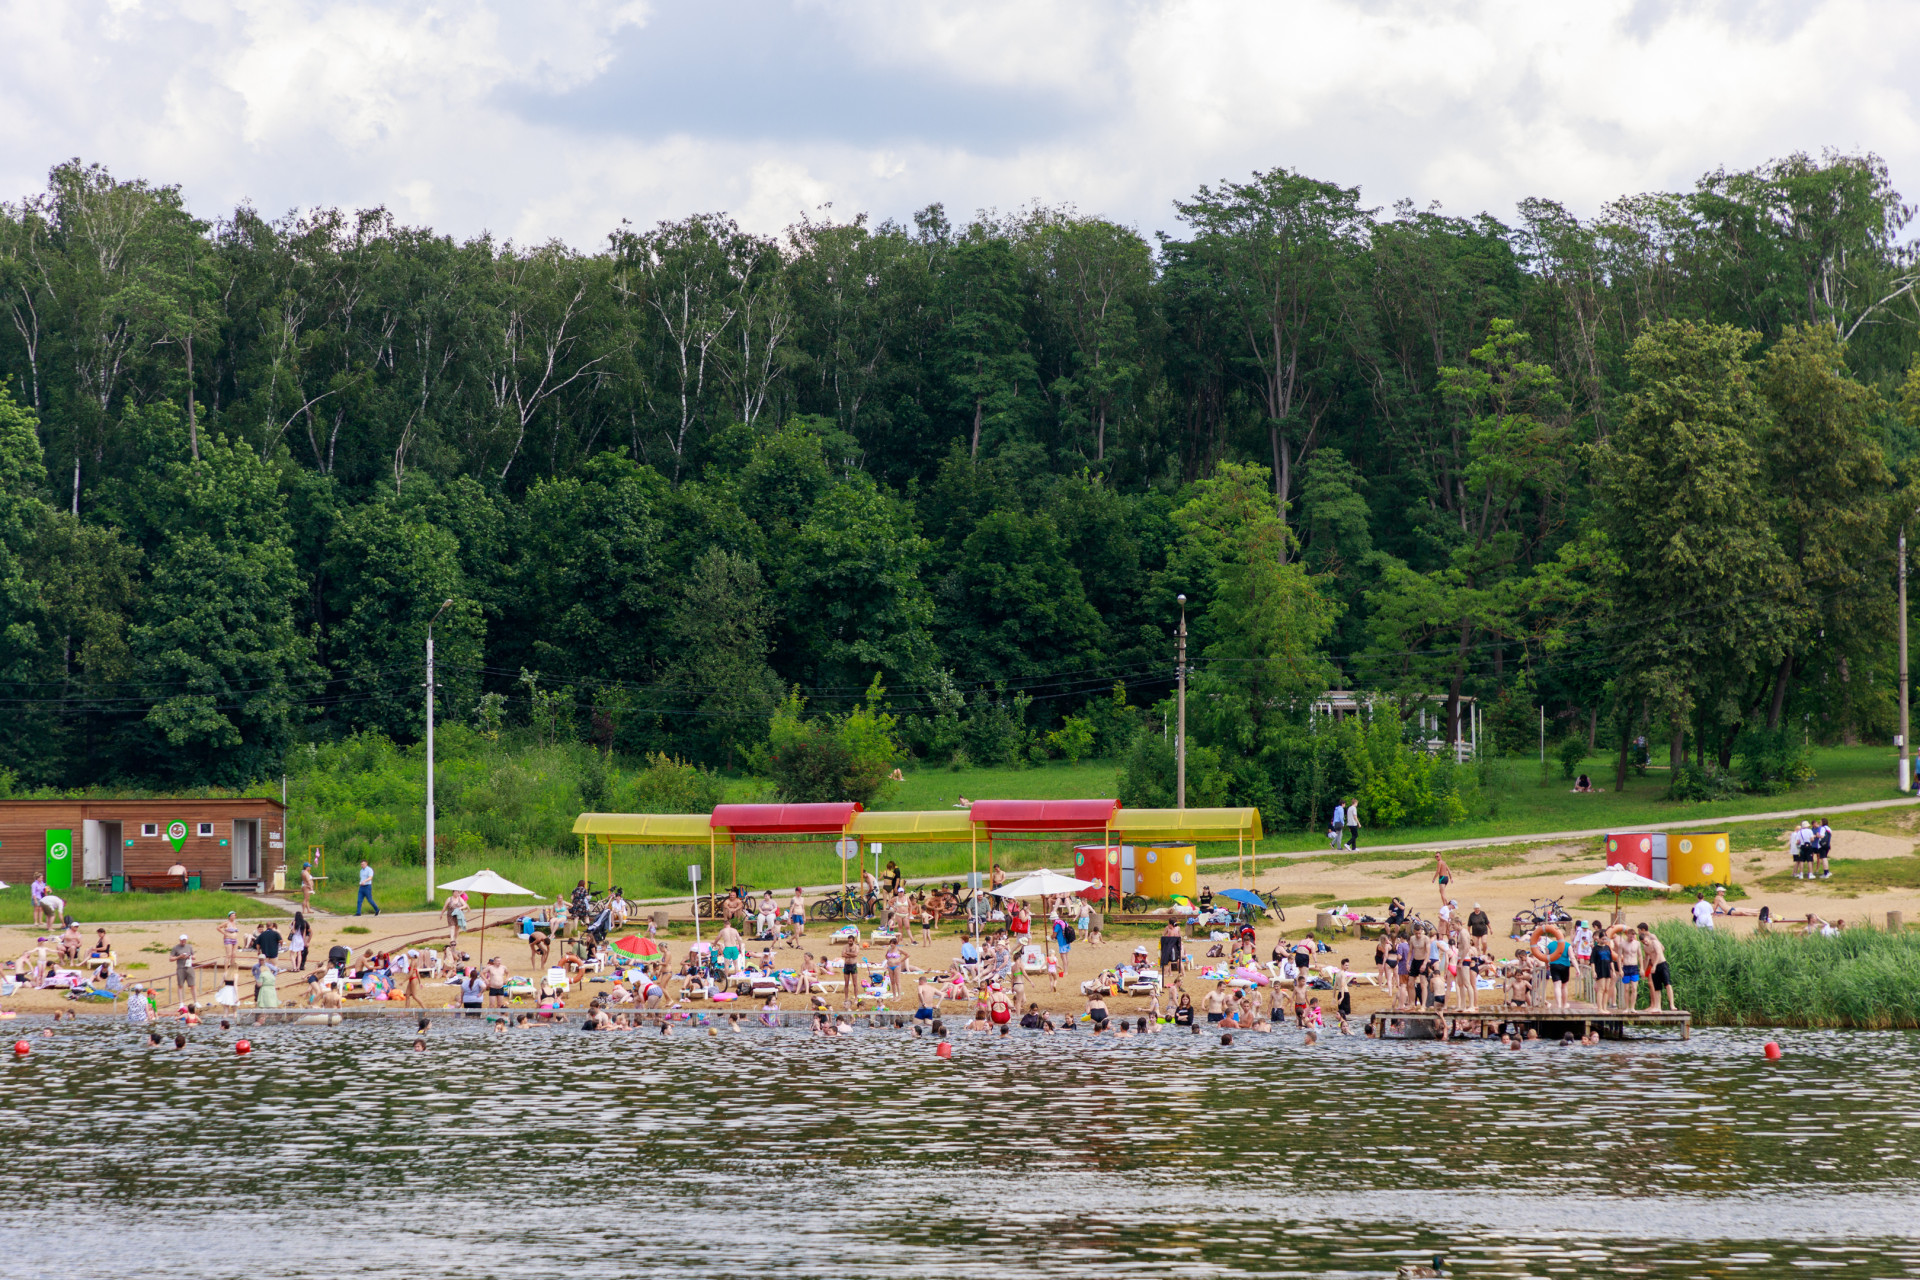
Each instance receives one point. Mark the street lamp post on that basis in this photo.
(1180, 736)
(444, 606)
(1906, 776)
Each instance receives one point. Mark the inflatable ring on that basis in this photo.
(1549, 955)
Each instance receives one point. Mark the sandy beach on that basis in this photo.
(1500, 880)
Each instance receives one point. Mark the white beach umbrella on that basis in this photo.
(1043, 884)
(1622, 878)
(486, 883)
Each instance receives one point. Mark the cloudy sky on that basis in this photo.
(537, 121)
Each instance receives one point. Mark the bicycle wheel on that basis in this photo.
(1523, 922)
(827, 908)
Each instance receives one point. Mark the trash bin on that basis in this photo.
(279, 879)
(119, 885)
(193, 880)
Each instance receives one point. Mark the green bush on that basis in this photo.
(1691, 782)
(1398, 784)
(1571, 753)
(1770, 761)
(830, 758)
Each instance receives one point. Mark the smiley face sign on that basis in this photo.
(176, 834)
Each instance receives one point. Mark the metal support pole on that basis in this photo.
(1906, 775)
(444, 605)
(1180, 738)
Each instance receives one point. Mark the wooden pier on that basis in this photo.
(1551, 1024)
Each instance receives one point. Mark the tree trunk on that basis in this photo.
(1726, 747)
(978, 406)
(193, 423)
(1593, 726)
(1459, 678)
(1626, 738)
(1778, 705)
(1677, 745)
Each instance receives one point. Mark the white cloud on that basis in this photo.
(540, 121)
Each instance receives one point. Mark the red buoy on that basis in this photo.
(945, 1050)
(243, 1046)
(22, 1048)
(1772, 1051)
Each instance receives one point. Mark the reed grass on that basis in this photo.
(1865, 978)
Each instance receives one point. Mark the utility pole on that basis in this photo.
(1180, 737)
(444, 606)
(1906, 776)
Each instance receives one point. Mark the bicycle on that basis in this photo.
(1272, 898)
(1543, 911)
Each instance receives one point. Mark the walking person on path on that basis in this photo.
(365, 898)
(1443, 874)
(1336, 829)
(1353, 823)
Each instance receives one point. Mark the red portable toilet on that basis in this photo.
(1109, 866)
(1641, 851)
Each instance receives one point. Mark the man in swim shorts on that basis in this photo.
(1215, 1002)
(1628, 952)
(849, 966)
(929, 1001)
(1659, 977)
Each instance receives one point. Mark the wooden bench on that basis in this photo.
(156, 884)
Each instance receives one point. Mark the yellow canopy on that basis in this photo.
(914, 826)
(1138, 825)
(645, 828)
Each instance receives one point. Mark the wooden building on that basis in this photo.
(117, 844)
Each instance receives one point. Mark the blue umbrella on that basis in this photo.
(1245, 897)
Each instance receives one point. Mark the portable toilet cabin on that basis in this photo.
(1641, 851)
(1701, 858)
(1167, 871)
(1109, 866)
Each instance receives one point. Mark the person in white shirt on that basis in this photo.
(1353, 823)
(1799, 842)
(1702, 914)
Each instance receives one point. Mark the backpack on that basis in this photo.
(1070, 934)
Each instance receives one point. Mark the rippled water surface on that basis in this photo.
(337, 1152)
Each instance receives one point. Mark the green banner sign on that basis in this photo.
(60, 860)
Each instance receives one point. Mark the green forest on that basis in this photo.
(868, 496)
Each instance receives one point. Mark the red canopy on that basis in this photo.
(1044, 815)
(784, 819)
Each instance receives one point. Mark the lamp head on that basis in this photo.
(1182, 600)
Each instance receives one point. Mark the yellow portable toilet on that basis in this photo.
(1700, 858)
(1165, 870)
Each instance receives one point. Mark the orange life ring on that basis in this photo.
(1545, 955)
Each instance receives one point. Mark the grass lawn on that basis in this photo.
(1512, 800)
(1518, 804)
(90, 906)
(1854, 876)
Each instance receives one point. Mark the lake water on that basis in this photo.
(340, 1152)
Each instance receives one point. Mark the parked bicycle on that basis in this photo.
(1543, 911)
